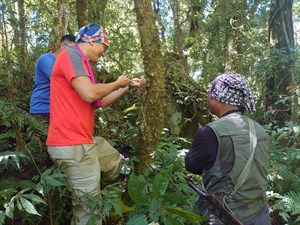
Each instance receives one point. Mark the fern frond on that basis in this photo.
(296, 200)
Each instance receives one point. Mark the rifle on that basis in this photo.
(216, 207)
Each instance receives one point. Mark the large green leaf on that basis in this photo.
(124, 210)
(175, 198)
(117, 207)
(19, 205)
(135, 189)
(160, 183)
(138, 220)
(2, 217)
(28, 206)
(47, 172)
(28, 184)
(7, 193)
(40, 188)
(171, 221)
(34, 198)
(187, 215)
(9, 211)
(154, 209)
(50, 181)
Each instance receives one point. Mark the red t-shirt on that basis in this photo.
(71, 118)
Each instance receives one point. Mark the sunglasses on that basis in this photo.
(65, 44)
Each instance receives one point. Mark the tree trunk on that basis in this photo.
(235, 20)
(97, 11)
(281, 39)
(26, 83)
(184, 113)
(196, 17)
(178, 38)
(10, 82)
(156, 7)
(60, 24)
(186, 110)
(153, 106)
(82, 12)
(177, 45)
(214, 53)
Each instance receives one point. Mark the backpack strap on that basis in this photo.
(245, 172)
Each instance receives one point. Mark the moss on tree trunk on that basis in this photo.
(153, 104)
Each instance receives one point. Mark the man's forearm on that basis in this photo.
(113, 96)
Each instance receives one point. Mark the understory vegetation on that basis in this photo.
(34, 191)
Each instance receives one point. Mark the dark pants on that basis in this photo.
(262, 218)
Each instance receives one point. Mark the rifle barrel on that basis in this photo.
(194, 186)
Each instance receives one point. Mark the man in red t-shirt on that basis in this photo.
(74, 94)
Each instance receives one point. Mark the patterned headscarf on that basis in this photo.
(92, 33)
(232, 89)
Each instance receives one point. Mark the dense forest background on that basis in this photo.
(181, 46)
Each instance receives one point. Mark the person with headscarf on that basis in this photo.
(74, 95)
(232, 153)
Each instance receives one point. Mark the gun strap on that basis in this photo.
(244, 174)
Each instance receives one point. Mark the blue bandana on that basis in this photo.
(92, 33)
